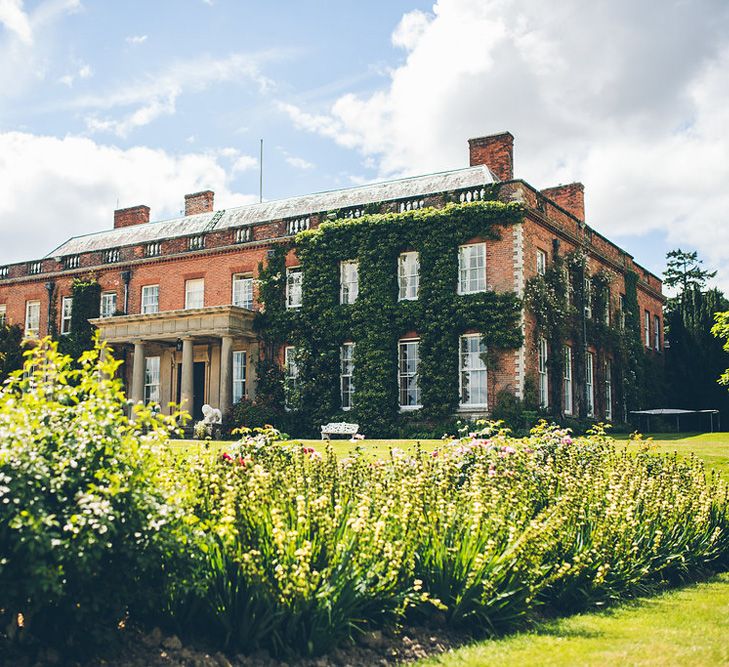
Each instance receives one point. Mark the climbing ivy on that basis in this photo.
(86, 294)
(558, 302)
(377, 320)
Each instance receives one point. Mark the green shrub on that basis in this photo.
(303, 550)
(88, 531)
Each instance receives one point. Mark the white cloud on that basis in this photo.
(244, 163)
(83, 72)
(410, 29)
(630, 98)
(26, 43)
(41, 176)
(156, 94)
(136, 39)
(299, 162)
(16, 20)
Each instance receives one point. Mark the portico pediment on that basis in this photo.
(214, 322)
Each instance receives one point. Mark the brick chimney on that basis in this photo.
(199, 202)
(496, 152)
(570, 197)
(134, 215)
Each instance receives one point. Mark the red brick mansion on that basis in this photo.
(179, 296)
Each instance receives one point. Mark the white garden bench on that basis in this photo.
(338, 428)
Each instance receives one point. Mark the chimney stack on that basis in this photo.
(199, 202)
(570, 197)
(134, 215)
(495, 152)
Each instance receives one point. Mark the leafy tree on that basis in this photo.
(11, 353)
(721, 330)
(694, 358)
(683, 272)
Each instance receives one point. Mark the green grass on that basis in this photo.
(688, 626)
(342, 447)
(713, 448)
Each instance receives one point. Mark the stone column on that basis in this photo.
(254, 352)
(186, 394)
(226, 374)
(137, 389)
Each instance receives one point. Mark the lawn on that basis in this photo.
(712, 448)
(687, 626)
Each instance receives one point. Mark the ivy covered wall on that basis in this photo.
(377, 320)
(557, 301)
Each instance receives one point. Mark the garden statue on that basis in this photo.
(211, 415)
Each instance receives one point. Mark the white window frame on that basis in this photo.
(291, 374)
(194, 293)
(150, 299)
(3, 314)
(348, 281)
(608, 390)
(405, 376)
(607, 308)
(567, 400)
(151, 380)
(66, 313)
(242, 291)
(408, 275)
(240, 359)
(541, 262)
(587, 288)
(656, 333)
(590, 383)
(472, 371)
(647, 327)
(472, 278)
(543, 369)
(32, 319)
(294, 287)
(346, 371)
(107, 307)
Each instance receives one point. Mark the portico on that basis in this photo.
(186, 357)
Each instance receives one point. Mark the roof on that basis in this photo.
(292, 207)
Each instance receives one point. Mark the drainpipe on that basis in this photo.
(50, 286)
(126, 276)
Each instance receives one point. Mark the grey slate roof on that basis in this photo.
(293, 207)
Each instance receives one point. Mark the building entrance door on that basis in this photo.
(198, 390)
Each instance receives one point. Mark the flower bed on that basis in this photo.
(273, 546)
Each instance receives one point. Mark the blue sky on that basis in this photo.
(142, 102)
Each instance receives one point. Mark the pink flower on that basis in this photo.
(566, 440)
(434, 453)
(308, 450)
(492, 470)
(227, 457)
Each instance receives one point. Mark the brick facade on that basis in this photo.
(554, 218)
